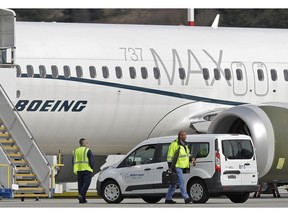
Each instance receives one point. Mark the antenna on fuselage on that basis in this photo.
(216, 22)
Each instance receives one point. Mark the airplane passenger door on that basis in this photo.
(261, 84)
(240, 83)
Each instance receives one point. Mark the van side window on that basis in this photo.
(164, 152)
(199, 150)
(237, 149)
(142, 155)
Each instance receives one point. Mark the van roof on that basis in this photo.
(194, 137)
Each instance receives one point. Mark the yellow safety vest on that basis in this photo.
(183, 158)
(80, 159)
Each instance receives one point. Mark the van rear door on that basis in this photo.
(238, 163)
(230, 162)
(249, 169)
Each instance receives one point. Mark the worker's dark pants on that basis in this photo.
(84, 180)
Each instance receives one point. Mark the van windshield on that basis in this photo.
(237, 149)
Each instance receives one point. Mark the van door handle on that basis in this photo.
(246, 164)
(159, 167)
(147, 169)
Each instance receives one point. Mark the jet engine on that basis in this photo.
(267, 124)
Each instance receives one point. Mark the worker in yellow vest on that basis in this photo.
(83, 168)
(178, 161)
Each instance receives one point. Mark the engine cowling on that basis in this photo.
(267, 124)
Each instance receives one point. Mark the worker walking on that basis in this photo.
(83, 168)
(178, 161)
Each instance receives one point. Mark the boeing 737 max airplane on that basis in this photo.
(117, 85)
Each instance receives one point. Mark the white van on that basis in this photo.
(226, 164)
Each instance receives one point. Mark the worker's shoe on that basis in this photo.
(170, 201)
(80, 198)
(188, 200)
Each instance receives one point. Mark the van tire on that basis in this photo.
(152, 199)
(111, 192)
(197, 190)
(238, 197)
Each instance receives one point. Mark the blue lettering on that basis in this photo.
(21, 104)
(79, 106)
(46, 105)
(66, 106)
(34, 105)
(56, 106)
(51, 105)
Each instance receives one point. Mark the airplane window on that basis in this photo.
(79, 71)
(286, 75)
(156, 72)
(260, 74)
(273, 74)
(42, 71)
(118, 71)
(216, 73)
(92, 71)
(239, 74)
(227, 72)
(182, 74)
(67, 72)
(205, 73)
(144, 72)
(18, 71)
(55, 72)
(105, 72)
(132, 71)
(30, 70)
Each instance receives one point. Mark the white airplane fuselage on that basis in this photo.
(116, 113)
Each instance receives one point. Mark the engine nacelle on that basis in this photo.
(267, 124)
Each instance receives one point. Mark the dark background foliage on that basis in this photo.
(259, 18)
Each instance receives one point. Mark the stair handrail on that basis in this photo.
(23, 122)
(46, 177)
(8, 173)
(9, 166)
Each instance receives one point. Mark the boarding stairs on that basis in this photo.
(27, 168)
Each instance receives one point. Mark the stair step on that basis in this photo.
(20, 162)
(27, 182)
(7, 141)
(30, 189)
(5, 136)
(25, 175)
(11, 148)
(19, 155)
(31, 195)
(3, 128)
(23, 169)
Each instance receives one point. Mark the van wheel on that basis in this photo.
(111, 192)
(198, 191)
(238, 197)
(153, 199)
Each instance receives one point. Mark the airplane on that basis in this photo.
(117, 85)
